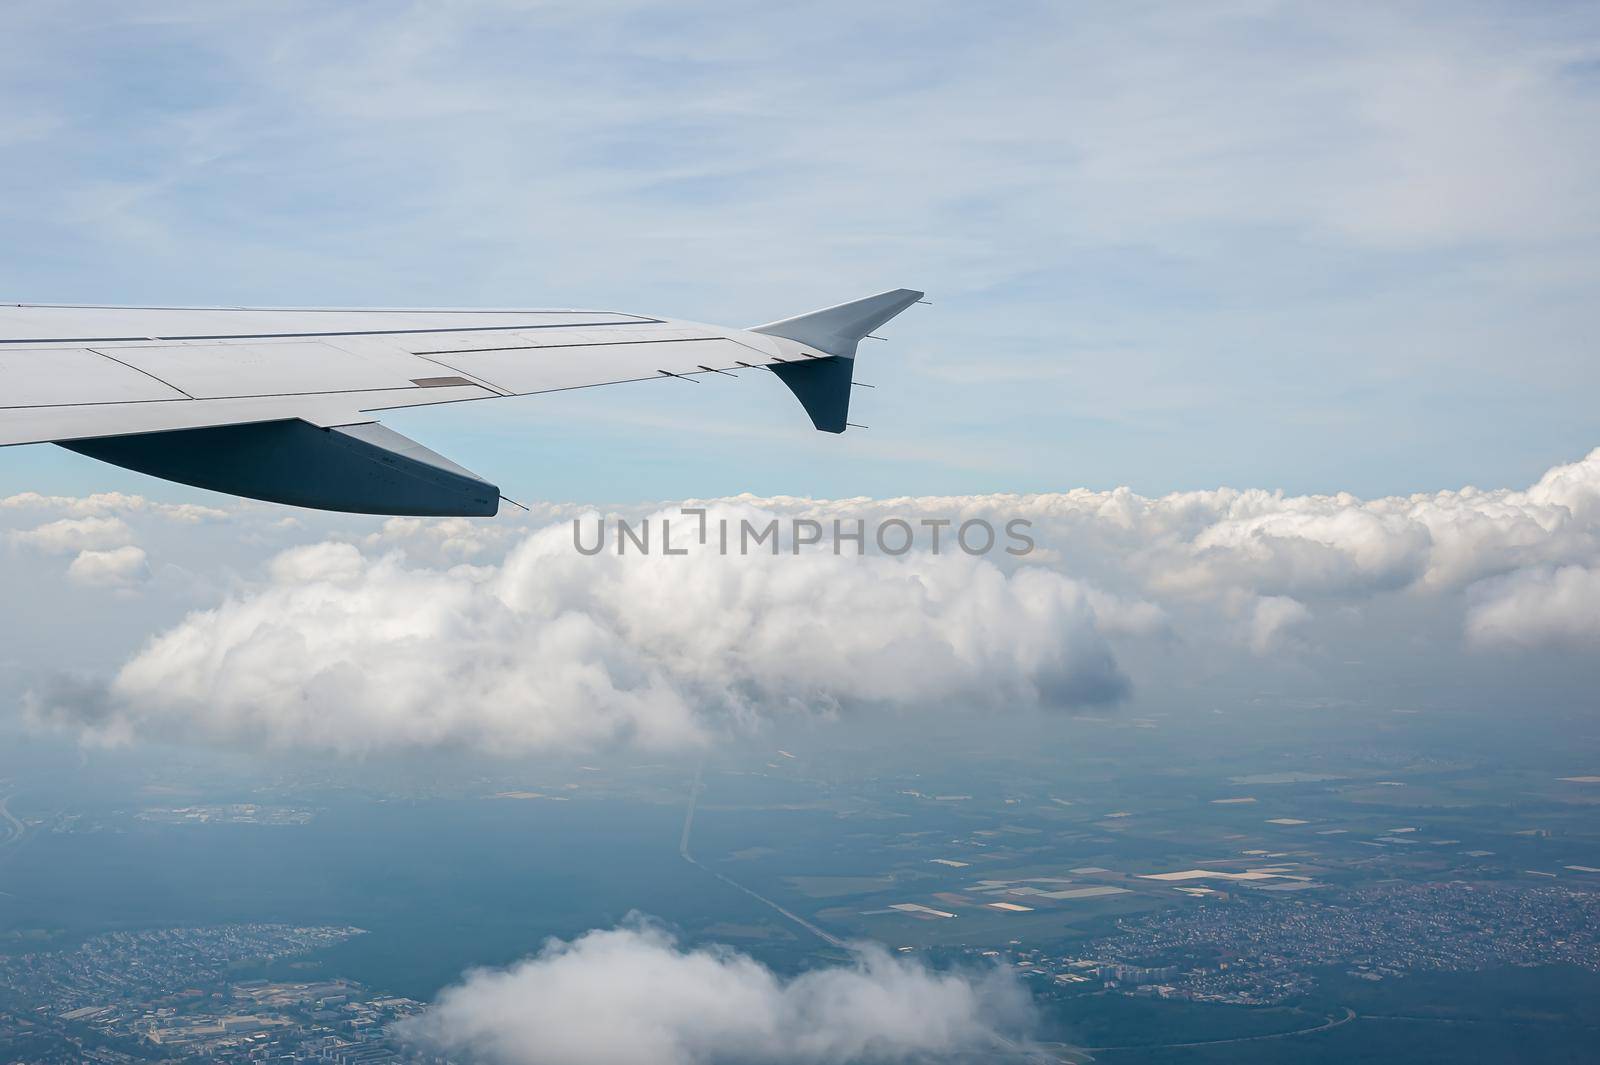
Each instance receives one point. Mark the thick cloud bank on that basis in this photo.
(1226, 541)
(633, 996)
(499, 637)
(352, 652)
(1271, 562)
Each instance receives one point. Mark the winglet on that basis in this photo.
(822, 383)
(836, 330)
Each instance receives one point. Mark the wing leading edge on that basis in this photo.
(280, 404)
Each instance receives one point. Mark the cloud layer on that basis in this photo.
(339, 649)
(632, 995)
(505, 638)
(1206, 543)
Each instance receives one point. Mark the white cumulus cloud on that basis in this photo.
(1271, 619)
(121, 567)
(75, 534)
(1219, 543)
(342, 650)
(633, 995)
(1557, 607)
(503, 637)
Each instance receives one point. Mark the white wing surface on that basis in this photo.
(281, 403)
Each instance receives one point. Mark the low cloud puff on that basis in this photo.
(1271, 618)
(1539, 608)
(345, 651)
(121, 567)
(75, 534)
(634, 996)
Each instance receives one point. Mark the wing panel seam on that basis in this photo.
(339, 333)
(137, 369)
(265, 395)
(558, 388)
(588, 344)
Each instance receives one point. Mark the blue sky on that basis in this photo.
(1170, 246)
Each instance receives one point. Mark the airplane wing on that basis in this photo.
(282, 404)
